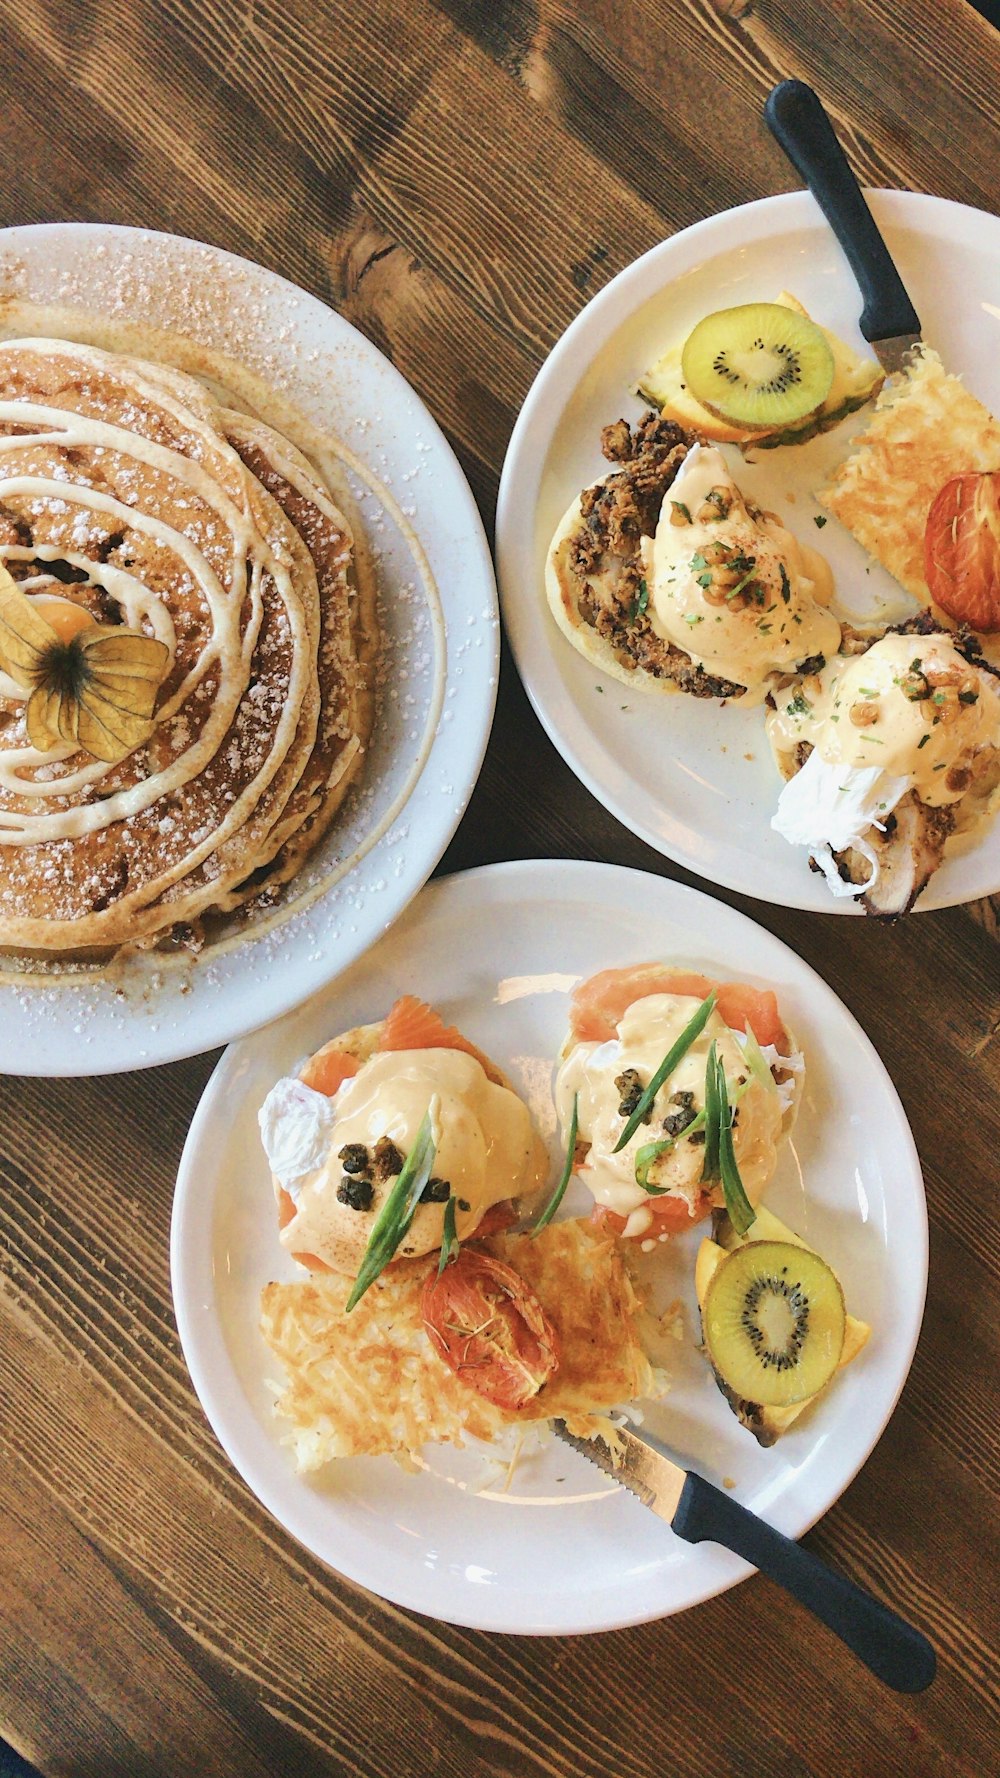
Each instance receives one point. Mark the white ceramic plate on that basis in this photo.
(439, 617)
(692, 779)
(564, 1551)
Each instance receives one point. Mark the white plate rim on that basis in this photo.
(224, 1014)
(233, 1421)
(531, 438)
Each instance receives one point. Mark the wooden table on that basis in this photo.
(458, 179)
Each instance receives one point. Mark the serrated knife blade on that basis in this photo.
(797, 121)
(699, 1512)
(651, 1477)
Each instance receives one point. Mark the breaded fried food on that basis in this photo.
(372, 1382)
(926, 428)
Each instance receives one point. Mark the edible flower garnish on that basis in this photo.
(94, 687)
(564, 1178)
(692, 1030)
(396, 1214)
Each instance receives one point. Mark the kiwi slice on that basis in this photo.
(760, 365)
(773, 1322)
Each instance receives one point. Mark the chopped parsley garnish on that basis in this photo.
(640, 601)
(799, 705)
(786, 585)
(698, 560)
(818, 520)
(693, 617)
(923, 740)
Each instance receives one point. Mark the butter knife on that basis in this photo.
(797, 120)
(700, 1512)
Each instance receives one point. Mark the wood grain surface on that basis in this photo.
(457, 179)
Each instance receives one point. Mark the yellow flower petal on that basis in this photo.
(42, 719)
(127, 649)
(107, 732)
(24, 634)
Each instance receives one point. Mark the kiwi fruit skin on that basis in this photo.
(758, 340)
(733, 1296)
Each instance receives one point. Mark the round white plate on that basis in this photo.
(695, 780)
(496, 950)
(439, 616)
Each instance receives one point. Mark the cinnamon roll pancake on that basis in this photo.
(186, 653)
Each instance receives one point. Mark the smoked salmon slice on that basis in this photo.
(599, 1004)
(413, 1025)
(328, 1069)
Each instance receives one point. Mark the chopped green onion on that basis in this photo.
(397, 1212)
(679, 506)
(692, 1030)
(564, 1178)
(741, 1212)
(652, 1151)
(449, 1237)
(710, 1169)
(755, 1060)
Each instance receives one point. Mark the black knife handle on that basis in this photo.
(797, 120)
(894, 1650)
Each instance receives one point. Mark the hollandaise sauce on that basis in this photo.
(730, 585)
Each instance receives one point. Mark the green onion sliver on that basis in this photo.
(564, 1178)
(692, 1030)
(652, 1151)
(741, 1212)
(755, 1060)
(449, 1237)
(396, 1213)
(710, 1169)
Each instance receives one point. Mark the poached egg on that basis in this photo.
(485, 1148)
(647, 1030)
(730, 585)
(909, 714)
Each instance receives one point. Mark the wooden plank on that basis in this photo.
(458, 178)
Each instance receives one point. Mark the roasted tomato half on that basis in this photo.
(962, 549)
(490, 1329)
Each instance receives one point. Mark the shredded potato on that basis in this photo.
(370, 1382)
(926, 428)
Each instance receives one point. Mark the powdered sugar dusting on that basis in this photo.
(434, 704)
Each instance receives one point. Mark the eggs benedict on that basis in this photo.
(665, 575)
(339, 1134)
(623, 1024)
(728, 582)
(888, 753)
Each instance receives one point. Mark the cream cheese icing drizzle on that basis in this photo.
(234, 611)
